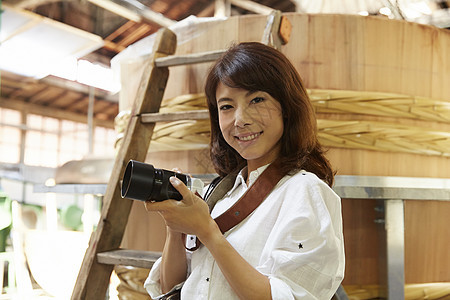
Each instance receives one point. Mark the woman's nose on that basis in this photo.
(242, 117)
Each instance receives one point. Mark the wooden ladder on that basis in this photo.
(103, 251)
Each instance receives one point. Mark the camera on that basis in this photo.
(144, 182)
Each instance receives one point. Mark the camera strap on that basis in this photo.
(251, 199)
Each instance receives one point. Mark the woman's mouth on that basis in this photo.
(248, 137)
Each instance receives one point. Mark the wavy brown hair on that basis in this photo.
(256, 67)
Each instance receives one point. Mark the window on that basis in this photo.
(74, 142)
(10, 135)
(41, 141)
(103, 137)
(49, 142)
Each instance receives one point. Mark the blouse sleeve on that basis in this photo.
(153, 284)
(304, 253)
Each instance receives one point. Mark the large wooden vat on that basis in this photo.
(382, 94)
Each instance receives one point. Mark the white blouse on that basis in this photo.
(294, 237)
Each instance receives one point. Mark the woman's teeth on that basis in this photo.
(248, 137)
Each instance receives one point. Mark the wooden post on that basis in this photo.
(270, 35)
(93, 279)
(222, 8)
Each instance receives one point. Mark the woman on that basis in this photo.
(291, 246)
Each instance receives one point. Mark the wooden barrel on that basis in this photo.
(382, 96)
(379, 87)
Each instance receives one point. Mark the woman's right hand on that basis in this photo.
(190, 215)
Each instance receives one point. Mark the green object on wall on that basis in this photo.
(71, 217)
(5, 219)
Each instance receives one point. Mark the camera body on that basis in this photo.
(144, 182)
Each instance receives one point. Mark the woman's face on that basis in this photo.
(251, 123)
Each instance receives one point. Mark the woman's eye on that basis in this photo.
(225, 107)
(257, 100)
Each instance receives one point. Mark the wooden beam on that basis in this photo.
(117, 9)
(30, 3)
(21, 83)
(80, 88)
(121, 30)
(113, 46)
(152, 16)
(93, 278)
(208, 11)
(222, 8)
(136, 34)
(177, 60)
(44, 94)
(46, 111)
(138, 12)
(252, 6)
(202, 114)
(126, 257)
(24, 90)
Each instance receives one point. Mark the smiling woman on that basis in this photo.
(251, 123)
(268, 72)
(290, 244)
(362, 73)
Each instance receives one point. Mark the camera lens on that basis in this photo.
(143, 182)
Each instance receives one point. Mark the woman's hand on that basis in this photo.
(190, 215)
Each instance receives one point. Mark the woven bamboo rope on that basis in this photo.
(420, 291)
(348, 102)
(381, 136)
(380, 104)
(373, 135)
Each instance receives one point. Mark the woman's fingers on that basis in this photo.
(188, 215)
(182, 189)
(166, 204)
(177, 170)
(159, 206)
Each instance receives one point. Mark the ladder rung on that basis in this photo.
(177, 60)
(126, 257)
(175, 116)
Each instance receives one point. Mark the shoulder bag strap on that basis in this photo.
(251, 199)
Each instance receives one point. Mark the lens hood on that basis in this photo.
(144, 182)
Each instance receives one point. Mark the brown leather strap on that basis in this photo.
(251, 199)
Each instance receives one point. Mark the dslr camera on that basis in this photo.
(144, 182)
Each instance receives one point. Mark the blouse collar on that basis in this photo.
(240, 179)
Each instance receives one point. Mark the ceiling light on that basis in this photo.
(32, 45)
(97, 76)
(88, 73)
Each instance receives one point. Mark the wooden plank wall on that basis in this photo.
(348, 53)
